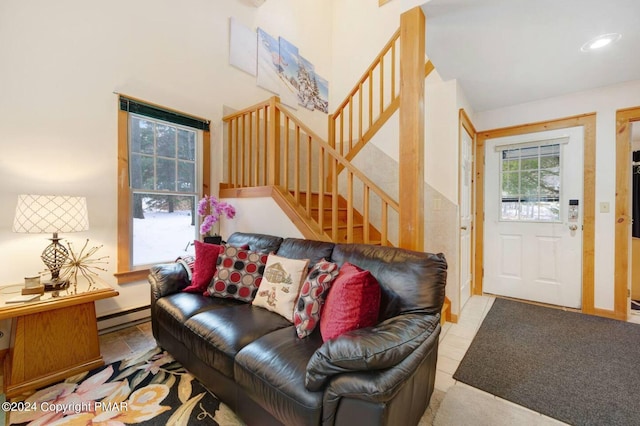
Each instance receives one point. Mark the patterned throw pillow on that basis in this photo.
(352, 303)
(281, 284)
(312, 294)
(238, 275)
(188, 262)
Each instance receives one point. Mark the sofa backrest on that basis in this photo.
(295, 248)
(411, 281)
(257, 242)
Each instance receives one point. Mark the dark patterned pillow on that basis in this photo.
(312, 294)
(238, 274)
(188, 262)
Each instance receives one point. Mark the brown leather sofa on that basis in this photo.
(253, 360)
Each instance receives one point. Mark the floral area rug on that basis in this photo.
(147, 389)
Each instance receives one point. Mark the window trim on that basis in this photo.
(124, 272)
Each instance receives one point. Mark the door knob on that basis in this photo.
(573, 227)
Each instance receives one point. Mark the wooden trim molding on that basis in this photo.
(622, 266)
(465, 125)
(411, 172)
(123, 263)
(588, 122)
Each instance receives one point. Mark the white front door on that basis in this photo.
(533, 216)
(466, 170)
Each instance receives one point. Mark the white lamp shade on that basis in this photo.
(37, 214)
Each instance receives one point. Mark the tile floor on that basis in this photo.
(117, 345)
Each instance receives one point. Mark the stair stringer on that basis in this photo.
(308, 228)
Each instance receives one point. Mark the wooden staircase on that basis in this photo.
(267, 146)
(270, 150)
(360, 233)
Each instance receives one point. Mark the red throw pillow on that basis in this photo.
(353, 302)
(312, 294)
(204, 267)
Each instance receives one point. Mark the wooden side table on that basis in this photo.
(53, 338)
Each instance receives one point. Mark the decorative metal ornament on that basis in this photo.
(84, 264)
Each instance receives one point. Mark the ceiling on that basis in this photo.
(506, 52)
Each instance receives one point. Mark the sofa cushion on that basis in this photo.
(353, 302)
(280, 285)
(238, 275)
(205, 266)
(218, 335)
(272, 369)
(410, 281)
(173, 310)
(313, 292)
(296, 248)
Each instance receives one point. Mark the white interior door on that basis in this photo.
(466, 170)
(533, 216)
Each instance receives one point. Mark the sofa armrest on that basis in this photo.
(373, 348)
(167, 279)
(413, 375)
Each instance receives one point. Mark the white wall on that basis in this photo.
(261, 215)
(604, 101)
(441, 136)
(360, 29)
(62, 60)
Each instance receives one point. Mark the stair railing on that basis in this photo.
(370, 103)
(268, 145)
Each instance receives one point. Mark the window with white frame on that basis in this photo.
(159, 186)
(164, 187)
(530, 183)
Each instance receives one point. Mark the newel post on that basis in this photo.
(411, 167)
(273, 144)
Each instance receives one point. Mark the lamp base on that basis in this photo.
(56, 284)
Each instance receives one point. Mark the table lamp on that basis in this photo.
(37, 214)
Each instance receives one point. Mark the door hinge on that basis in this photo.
(628, 292)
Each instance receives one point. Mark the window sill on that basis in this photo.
(131, 276)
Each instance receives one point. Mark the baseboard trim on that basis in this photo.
(122, 319)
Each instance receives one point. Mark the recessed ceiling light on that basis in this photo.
(600, 42)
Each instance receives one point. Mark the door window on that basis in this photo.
(530, 183)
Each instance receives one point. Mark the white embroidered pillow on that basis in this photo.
(280, 285)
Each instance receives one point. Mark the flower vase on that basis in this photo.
(215, 239)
